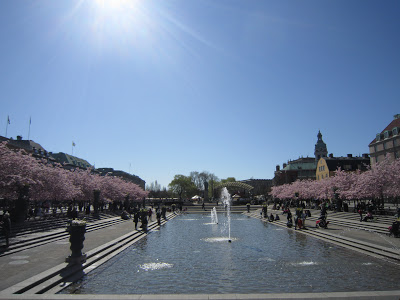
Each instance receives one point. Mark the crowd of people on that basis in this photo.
(145, 215)
(365, 210)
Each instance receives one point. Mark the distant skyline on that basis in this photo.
(232, 87)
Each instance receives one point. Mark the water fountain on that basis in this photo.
(226, 200)
(214, 217)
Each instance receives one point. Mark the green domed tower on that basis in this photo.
(320, 148)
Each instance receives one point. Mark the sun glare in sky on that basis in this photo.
(115, 5)
(121, 24)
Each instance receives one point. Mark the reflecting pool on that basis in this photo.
(191, 255)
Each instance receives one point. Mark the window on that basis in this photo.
(376, 159)
(386, 134)
(375, 148)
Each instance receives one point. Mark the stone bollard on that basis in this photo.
(76, 229)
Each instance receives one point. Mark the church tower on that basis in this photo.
(320, 148)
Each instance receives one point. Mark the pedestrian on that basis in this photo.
(158, 215)
(360, 212)
(289, 214)
(248, 207)
(289, 219)
(299, 211)
(136, 218)
(265, 210)
(144, 220)
(6, 227)
(203, 206)
(150, 214)
(303, 218)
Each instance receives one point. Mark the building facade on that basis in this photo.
(327, 166)
(387, 142)
(303, 167)
(129, 177)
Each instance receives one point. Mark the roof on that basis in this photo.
(352, 163)
(393, 124)
(72, 160)
(27, 145)
(301, 166)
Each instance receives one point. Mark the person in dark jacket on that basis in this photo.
(6, 227)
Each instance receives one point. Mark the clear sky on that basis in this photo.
(233, 87)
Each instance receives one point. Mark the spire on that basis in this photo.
(320, 148)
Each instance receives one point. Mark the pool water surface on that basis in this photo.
(189, 255)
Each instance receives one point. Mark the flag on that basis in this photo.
(30, 120)
(73, 144)
(8, 119)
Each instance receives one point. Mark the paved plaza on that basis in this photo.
(42, 262)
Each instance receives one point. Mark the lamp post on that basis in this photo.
(96, 194)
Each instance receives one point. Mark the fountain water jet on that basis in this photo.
(214, 217)
(226, 200)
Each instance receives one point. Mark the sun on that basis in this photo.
(113, 4)
(122, 25)
(116, 8)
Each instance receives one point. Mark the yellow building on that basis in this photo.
(322, 169)
(327, 166)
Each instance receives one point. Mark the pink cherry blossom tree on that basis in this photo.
(51, 182)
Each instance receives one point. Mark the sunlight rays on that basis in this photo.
(148, 27)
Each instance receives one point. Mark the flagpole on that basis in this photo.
(29, 131)
(8, 122)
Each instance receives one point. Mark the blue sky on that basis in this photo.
(233, 87)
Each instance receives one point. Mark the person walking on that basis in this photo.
(265, 210)
(144, 220)
(303, 218)
(289, 219)
(158, 215)
(360, 212)
(299, 211)
(6, 227)
(136, 218)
